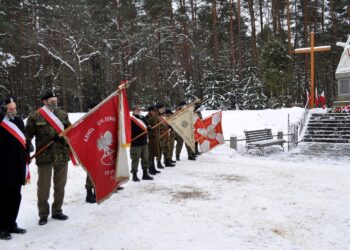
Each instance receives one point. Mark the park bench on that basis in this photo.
(259, 139)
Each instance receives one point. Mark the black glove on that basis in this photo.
(149, 128)
(29, 147)
(58, 138)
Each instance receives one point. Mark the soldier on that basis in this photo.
(139, 146)
(151, 119)
(164, 139)
(45, 124)
(14, 152)
(180, 141)
(172, 138)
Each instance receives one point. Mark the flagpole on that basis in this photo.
(165, 133)
(176, 113)
(44, 148)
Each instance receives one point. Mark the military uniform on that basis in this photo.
(164, 142)
(153, 141)
(139, 149)
(55, 158)
(172, 138)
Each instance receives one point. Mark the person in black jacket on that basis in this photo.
(139, 146)
(13, 155)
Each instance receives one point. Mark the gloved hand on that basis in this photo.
(149, 128)
(29, 147)
(58, 138)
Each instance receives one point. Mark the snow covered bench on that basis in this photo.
(259, 139)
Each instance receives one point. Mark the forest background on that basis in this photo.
(234, 54)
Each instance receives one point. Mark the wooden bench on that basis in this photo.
(259, 139)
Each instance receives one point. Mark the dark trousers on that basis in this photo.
(9, 207)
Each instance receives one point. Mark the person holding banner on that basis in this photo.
(13, 155)
(180, 141)
(151, 120)
(47, 124)
(139, 146)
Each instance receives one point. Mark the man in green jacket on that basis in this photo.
(41, 124)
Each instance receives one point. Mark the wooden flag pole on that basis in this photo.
(44, 148)
(176, 113)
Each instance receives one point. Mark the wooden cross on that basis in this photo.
(312, 49)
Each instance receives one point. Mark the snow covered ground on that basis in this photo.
(224, 200)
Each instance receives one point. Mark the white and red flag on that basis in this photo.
(212, 136)
(99, 141)
(322, 100)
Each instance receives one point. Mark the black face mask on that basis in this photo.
(11, 115)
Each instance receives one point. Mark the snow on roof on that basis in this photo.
(344, 63)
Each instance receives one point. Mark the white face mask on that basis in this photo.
(12, 114)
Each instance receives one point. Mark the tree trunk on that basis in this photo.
(215, 34)
(252, 22)
(232, 37)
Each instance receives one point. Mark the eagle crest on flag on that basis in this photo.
(104, 143)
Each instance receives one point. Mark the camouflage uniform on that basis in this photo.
(153, 136)
(164, 142)
(55, 158)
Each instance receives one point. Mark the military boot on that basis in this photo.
(134, 177)
(159, 164)
(90, 196)
(152, 168)
(168, 163)
(146, 176)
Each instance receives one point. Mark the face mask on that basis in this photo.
(12, 115)
(52, 106)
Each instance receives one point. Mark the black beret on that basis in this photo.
(151, 108)
(9, 100)
(93, 104)
(168, 112)
(160, 105)
(48, 95)
(183, 103)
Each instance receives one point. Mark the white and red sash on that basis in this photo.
(14, 130)
(57, 125)
(139, 122)
(18, 134)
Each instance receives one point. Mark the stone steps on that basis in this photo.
(328, 128)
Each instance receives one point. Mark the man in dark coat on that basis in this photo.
(13, 155)
(139, 146)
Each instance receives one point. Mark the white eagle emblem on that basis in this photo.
(104, 144)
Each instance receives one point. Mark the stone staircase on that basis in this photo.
(328, 127)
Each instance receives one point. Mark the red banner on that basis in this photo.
(94, 141)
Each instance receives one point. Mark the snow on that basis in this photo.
(7, 59)
(224, 200)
